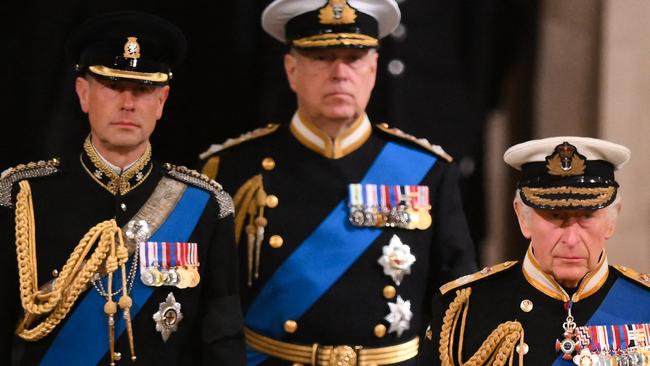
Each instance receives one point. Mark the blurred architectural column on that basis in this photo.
(625, 118)
(590, 76)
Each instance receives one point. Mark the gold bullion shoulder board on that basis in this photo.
(642, 278)
(422, 142)
(485, 272)
(194, 178)
(211, 165)
(24, 171)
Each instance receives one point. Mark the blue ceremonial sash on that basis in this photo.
(83, 339)
(624, 304)
(321, 259)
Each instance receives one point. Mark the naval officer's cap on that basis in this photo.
(127, 45)
(305, 24)
(567, 172)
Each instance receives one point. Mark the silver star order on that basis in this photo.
(396, 259)
(168, 316)
(400, 316)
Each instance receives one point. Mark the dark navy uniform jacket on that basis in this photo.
(71, 200)
(309, 174)
(514, 291)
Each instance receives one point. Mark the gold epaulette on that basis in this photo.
(24, 171)
(436, 149)
(636, 276)
(192, 177)
(485, 272)
(246, 136)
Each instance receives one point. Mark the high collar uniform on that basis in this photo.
(523, 293)
(80, 193)
(308, 174)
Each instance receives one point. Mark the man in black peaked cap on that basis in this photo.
(109, 257)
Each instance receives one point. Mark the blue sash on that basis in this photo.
(83, 339)
(624, 304)
(321, 259)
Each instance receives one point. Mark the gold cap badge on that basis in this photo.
(132, 48)
(337, 12)
(565, 161)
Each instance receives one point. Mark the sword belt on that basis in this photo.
(330, 355)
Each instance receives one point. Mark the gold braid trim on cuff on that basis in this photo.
(73, 277)
(496, 350)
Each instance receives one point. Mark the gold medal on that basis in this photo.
(157, 277)
(424, 219)
(184, 277)
(195, 277)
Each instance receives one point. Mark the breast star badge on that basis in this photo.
(396, 259)
(400, 316)
(168, 316)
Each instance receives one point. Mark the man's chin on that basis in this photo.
(570, 277)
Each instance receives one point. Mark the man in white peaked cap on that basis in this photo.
(345, 227)
(563, 304)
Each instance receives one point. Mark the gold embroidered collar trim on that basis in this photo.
(105, 176)
(545, 283)
(315, 139)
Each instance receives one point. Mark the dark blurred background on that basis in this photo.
(441, 75)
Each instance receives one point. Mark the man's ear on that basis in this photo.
(290, 69)
(522, 218)
(613, 219)
(82, 87)
(163, 94)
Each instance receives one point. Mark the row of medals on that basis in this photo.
(403, 216)
(181, 277)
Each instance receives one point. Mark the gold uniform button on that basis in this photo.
(272, 201)
(290, 326)
(268, 164)
(526, 305)
(380, 330)
(276, 241)
(389, 292)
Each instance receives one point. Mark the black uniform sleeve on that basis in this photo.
(455, 252)
(8, 284)
(221, 319)
(438, 307)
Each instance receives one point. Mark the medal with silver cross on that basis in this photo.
(168, 316)
(396, 259)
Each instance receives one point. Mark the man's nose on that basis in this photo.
(340, 69)
(571, 233)
(128, 99)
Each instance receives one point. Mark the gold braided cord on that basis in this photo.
(243, 198)
(72, 280)
(497, 350)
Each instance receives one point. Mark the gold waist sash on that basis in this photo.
(329, 355)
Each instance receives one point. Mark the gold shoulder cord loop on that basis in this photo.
(250, 201)
(496, 350)
(74, 277)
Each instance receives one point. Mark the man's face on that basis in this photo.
(122, 114)
(567, 243)
(333, 83)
